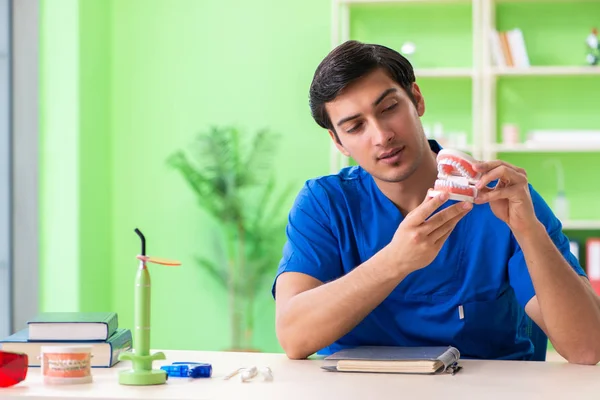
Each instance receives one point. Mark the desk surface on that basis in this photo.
(304, 379)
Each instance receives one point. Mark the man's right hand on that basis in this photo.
(419, 237)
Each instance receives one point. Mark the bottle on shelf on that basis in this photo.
(510, 134)
(561, 203)
(593, 47)
(438, 134)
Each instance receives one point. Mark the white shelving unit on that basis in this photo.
(402, 1)
(484, 76)
(543, 1)
(549, 148)
(491, 74)
(341, 32)
(445, 72)
(581, 224)
(545, 71)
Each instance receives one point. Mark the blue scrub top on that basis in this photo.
(339, 221)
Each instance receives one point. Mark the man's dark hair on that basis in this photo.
(348, 62)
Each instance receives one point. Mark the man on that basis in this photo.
(372, 260)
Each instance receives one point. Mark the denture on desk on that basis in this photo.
(456, 176)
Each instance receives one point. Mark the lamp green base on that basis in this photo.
(142, 373)
(143, 378)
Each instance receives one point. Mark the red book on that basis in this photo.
(593, 262)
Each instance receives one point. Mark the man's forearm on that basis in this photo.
(570, 311)
(316, 318)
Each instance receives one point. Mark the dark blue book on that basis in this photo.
(104, 354)
(72, 326)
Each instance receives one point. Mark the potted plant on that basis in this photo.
(233, 181)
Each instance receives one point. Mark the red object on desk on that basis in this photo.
(593, 262)
(13, 368)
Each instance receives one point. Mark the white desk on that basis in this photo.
(306, 380)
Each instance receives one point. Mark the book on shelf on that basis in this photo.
(561, 137)
(105, 353)
(508, 48)
(73, 326)
(391, 359)
(574, 247)
(592, 247)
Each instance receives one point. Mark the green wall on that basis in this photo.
(96, 162)
(75, 162)
(124, 83)
(555, 31)
(148, 76)
(442, 34)
(59, 157)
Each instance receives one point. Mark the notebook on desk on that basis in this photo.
(401, 360)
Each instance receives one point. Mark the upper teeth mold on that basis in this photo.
(456, 175)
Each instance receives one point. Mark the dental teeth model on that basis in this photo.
(456, 176)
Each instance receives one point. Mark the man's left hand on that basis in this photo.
(510, 199)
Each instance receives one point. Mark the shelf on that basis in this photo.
(544, 1)
(404, 1)
(469, 149)
(443, 73)
(581, 224)
(546, 148)
(546, 71)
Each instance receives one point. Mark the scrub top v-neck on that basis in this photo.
(472, 296)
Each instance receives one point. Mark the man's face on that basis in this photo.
(379, 126)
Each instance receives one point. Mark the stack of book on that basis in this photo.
(99, 330)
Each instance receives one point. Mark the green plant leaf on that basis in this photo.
(232, 177)
(197, 181)
(217, 273)
(259, 162)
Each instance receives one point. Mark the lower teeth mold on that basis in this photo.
(456, 176)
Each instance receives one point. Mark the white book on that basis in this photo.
(574, 247)
(496, 49)
(593, 258)
(559, 137)
(518, 50)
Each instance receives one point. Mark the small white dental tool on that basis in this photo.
(232, 374)
(266, 373)
(248, 373)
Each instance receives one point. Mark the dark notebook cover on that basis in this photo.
(390, 353)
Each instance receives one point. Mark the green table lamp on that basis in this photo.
(141, 360)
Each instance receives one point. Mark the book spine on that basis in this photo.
(121, 344)
(522, 48)
(506, 49)
(516, 44)
(112, 325)
(496, 47)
